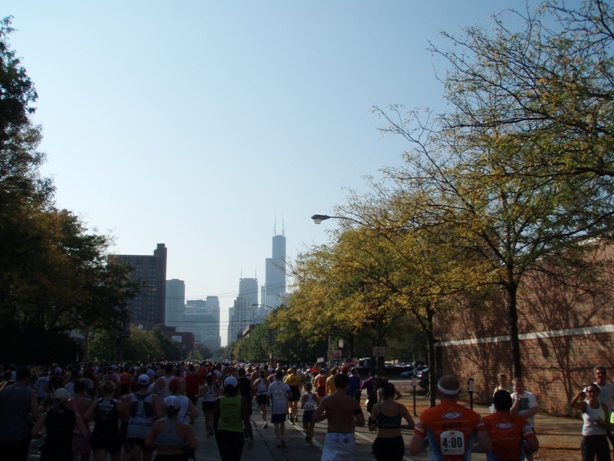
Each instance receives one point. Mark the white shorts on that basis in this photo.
(339, 446)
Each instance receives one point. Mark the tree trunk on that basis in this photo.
(512, 291)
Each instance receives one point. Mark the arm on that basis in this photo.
(533, 443)
(417, 444)
(397, 394)
(35, 432)
(515, 404)
(150, 439)
(190, 438)
(158, 406)
(87, 416)
(34, 406)
(360, 418)
(319, 414)
(216, 414)
(483, 439)
(80, 425)
(247, 423)
(192, 410)
(578, 401)
(407, 417)
(373, 417)
(605, 423)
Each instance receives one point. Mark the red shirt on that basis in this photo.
(507, 432)
(192, 384)
(450, 429)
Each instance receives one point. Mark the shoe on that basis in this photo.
(279, 443)
(307, 439)
(210, 432)
(265, 425)
(291, 419)
(283, 442)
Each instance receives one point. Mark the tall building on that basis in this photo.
(274, 289)
(175, 302)
(202, 317)
(148, 307)
(243, 312)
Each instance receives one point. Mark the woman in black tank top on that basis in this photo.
(386, 417)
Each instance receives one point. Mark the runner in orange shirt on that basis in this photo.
(508, 433)
(449, 429)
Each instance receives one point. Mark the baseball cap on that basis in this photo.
(143, 380)
(58, 370)
(61, 394)
(174, 384)
(172, 402)
(231, 381)
(344, 369)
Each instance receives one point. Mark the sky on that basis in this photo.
(210, 125)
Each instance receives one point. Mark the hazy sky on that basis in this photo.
(202, 124)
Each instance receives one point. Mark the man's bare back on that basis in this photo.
(340, 410)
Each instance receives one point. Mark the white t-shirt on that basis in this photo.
(606, 393)
(527, 402)
(278, 394)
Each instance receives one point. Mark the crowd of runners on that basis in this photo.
(130, 412)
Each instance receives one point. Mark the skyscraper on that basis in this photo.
(175, 302)
(148, 307)
(243, 312)
(274, 288)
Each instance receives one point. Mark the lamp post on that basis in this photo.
(318, 218)
(379, 343)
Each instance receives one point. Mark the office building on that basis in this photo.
(175, 302)
(274, 289)
(147, 309)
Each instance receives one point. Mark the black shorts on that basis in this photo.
(388, 449)
(295, 394)
(106, 440)
(208, 406)
(262, 399)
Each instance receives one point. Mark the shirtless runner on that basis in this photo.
(342, 413)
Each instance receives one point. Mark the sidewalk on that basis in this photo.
(559, 439)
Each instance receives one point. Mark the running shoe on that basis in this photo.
(307, 438)
(210, 432)
(265, 425)
(283, 442)
(279, 443)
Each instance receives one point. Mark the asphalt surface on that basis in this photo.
(297, 449)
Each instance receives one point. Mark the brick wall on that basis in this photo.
(566, 326)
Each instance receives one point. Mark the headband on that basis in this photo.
(448, 391)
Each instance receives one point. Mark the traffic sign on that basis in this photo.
(379, 342)
(379, 351)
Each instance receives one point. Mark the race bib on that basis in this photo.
(278, 395)
(452, 443)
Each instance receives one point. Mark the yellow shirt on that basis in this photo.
(293, 380)
(330, 384)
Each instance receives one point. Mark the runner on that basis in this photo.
(342, 413)
(309, 403)
(294, 381)
(278, 393)
(262, 398)
(209, 394)
(139, 409)
(105, 436)
(449, 428)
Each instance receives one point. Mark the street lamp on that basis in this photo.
(318, 218)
